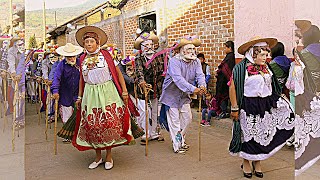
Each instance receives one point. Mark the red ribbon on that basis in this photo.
(167, 50)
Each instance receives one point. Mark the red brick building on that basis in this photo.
(211, 20)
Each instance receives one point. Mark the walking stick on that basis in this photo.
(35, 92)
(47, 109)
(135, 93)
(39, 109)
(14, 113)
(146, 91)
(1, 103)
(5, 103)
(199, 128)
(55, 125)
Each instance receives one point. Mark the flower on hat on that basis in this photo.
(145, 36)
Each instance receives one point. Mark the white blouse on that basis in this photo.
(258, 85)
(99, 74)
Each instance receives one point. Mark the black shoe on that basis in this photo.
(256, 173)
(222, 116)
(246, 175)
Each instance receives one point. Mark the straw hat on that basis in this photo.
(303, 25)
(69, 50)
(246, 46)
(188, 40)
(101, 34)
(143, 37)
(106, 46)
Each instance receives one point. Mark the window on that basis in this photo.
(147, 22)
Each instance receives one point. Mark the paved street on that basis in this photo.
(12, 162)
(130, 162)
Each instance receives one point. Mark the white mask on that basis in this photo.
(147, 48)
(20, 46)
(188, 52)
(52, 58)
(5, 44)
(40, 57)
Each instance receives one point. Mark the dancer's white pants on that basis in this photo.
(178, 122)
(141, 120)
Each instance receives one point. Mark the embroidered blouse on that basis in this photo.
(95, 70)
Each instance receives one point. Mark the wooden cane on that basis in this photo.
(14, 113)
(47, 110)
(1, 103)
(146, 91)
(55, 125)
(135, 93)
(39, 109)
(5, 103)
(147, 119)
(199, 128)
(35, 92)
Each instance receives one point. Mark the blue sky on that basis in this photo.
(31, 5)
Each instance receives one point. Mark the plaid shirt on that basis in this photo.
(151, 75)
(3, 59)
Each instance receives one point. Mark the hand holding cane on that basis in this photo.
(200, 92)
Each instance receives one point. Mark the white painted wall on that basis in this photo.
(309, 10)
(266, 18)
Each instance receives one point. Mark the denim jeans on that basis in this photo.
(211, 113)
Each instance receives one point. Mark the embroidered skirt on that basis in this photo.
(266, 124)
(104, 121)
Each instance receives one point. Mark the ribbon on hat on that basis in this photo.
(167, 51)
(190, 38)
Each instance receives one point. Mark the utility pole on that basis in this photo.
(55, 18)
(44, 25)
(10, 18)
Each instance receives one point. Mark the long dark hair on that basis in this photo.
(277, 50)
(230, 44)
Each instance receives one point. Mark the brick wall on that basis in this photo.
(211, 20)
(135, 4)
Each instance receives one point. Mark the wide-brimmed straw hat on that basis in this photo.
(246, 46)
(143, 37)
(188, 40)
(303, 25)
(69, 50)
(82, 31)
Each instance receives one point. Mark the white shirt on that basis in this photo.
(258, 85)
